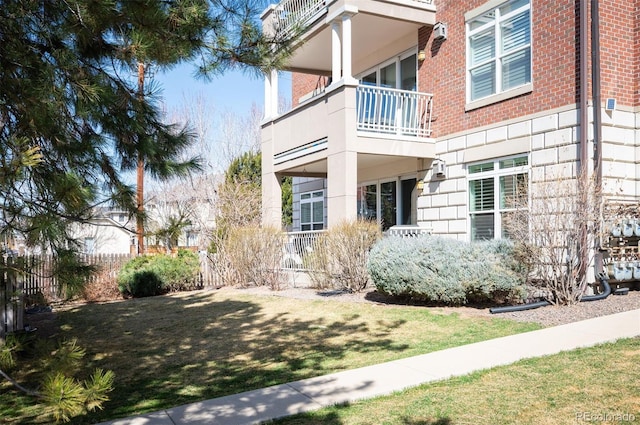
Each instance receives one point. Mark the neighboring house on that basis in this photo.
(110, 232)
(433, 112)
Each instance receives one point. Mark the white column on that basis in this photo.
(346, 47)
(267, 96)
(271, 189)
(274, 93)
(342, 187)
(336, 52)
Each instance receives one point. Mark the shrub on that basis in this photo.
(251, 256)
(143, 283)
(436, 269)
(177, 273)
(340, 257)
(555, 229)
(146, 276)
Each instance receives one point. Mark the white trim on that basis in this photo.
(336, 49)
(312, 201)
(499, 97)
(495, 23)
(474, 13)
(300, 151)
(494, 174)
(346, 9)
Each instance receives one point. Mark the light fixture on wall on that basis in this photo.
(422, 55)
(439, 168)
(440, 31)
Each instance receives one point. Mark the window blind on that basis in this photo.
(481, 193)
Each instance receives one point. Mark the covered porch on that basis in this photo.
(367, 144)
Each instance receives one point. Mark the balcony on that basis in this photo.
(390, 111)
(312, 21)
(380, 124)
(290, 15)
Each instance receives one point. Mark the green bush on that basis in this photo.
(146, 276)
(448, 271)
(144, 283)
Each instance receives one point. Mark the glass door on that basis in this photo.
(388, 204)
(408, 81)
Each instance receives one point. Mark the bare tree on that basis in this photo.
(238, 134)
(555, 230)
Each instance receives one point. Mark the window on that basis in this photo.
(312, 210)
(89, 245)
(499, 50)
(495, 189)
(388, 202)
(382, 110)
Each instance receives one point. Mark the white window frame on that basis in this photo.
(500, 93)
(398, 188)
(495, 173)
(397, 60)
(315, 196)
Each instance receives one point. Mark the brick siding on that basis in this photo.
(555, 55)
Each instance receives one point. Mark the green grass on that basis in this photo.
(188, 347)
(599, 384)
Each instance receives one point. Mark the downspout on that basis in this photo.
(584, 121)
(597, 112)
(584, 85)
(596, 88)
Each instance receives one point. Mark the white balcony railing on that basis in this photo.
(392, 111)
(296, 14)
(291, 15)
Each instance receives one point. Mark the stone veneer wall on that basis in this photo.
(550, 139)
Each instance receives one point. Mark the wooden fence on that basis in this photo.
(11, 297)
(30, 279)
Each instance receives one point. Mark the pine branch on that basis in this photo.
(20, 387)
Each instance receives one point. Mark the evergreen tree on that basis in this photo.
(73, 120)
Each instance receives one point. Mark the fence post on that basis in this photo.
(11, 298)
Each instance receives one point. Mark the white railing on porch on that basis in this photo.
(407, 231)
(299, 248)
(393, 111)
(292, 14)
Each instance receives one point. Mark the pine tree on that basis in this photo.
(73, 120)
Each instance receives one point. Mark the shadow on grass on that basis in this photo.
(172, 350)
(333, 416)
(406, 300)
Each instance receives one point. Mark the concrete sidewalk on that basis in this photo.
(253, 407)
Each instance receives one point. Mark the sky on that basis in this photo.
(234, 91)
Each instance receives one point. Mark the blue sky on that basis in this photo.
(235, 90)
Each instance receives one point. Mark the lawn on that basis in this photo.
(187, 347)
(593, 385)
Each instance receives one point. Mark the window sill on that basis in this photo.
(518, 91)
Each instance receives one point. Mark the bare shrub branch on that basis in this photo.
(555, 234)
(340, 259)
(251, 256)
